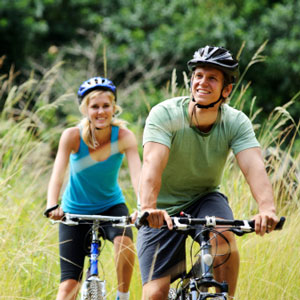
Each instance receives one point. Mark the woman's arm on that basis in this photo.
(69, 142)
(128, 145)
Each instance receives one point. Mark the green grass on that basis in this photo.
(270, 266)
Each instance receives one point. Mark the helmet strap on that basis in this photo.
(211, 104)
(208, 105)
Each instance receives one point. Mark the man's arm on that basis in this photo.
(155, 158)
(252, 165)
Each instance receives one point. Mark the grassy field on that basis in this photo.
(270, 266)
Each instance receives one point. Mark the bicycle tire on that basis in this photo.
(94, 290)
(172, 295)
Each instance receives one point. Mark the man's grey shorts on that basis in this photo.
(162, 252)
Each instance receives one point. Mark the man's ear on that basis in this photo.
(227, 90)
(191, 81)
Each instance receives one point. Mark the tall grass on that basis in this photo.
(270, 266)
(28, 248)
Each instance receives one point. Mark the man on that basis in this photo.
(186, 144)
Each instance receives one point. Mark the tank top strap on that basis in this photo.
(114, 140)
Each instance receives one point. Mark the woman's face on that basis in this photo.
(100, 110)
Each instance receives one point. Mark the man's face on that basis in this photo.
(207, 84)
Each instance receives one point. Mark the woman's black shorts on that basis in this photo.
(74, 242)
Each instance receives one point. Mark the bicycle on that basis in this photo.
(93, 287)
(195, 284)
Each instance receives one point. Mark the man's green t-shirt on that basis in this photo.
(196, 159)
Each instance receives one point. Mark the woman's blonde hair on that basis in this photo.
(87, 131)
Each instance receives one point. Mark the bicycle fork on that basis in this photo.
(207, 279)
(94, 251)
(93, 287)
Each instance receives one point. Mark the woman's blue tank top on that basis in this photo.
(93, 185)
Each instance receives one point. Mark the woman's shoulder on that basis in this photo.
(71, 132)
(71, 137)
(126, 139)
(123, 132)
(126, 134)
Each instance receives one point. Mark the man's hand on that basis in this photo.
(157, 217)
(265, 222)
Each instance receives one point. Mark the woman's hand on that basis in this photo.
(133, 217)
(55, 212)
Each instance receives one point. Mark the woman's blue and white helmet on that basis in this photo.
(96, 83)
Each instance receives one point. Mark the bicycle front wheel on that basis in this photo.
(93, 289)
(174, 295)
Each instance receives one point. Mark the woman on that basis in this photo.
(95, 150)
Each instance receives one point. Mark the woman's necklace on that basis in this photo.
(105, 137)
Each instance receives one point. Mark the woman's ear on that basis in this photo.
(83, 107)
(84, 111)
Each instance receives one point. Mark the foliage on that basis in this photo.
(28, 242)
(138, 44)
(277, 24)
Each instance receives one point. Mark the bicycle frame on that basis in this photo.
(200, 277)
(207, 279)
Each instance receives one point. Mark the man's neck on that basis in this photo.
(203, 118)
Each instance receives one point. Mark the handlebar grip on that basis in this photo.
(140, 221)
(48, 210)
(280, 224)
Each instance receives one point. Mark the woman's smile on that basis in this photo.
(100, 111)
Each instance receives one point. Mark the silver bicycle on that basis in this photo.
(195, 283)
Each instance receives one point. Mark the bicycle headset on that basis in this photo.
(96, 83)
(219, 58)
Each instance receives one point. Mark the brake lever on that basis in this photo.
(237, 231)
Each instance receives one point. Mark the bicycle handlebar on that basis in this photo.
(75, 219)
(239, 227)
